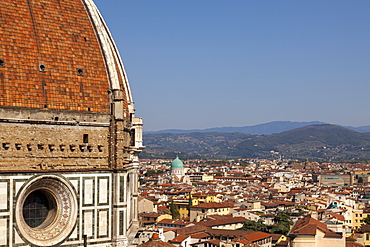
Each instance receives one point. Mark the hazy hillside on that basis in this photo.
(361, 129)
(317, 141)
(259, 129)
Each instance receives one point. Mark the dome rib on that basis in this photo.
(115, 69)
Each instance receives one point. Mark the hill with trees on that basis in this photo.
(319, 142)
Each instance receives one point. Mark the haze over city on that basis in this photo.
(209, 63)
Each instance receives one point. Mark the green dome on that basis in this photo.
(177, 163)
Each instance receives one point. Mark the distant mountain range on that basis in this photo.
(318, 142)
(259, 129)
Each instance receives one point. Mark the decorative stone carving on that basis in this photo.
(62, 210)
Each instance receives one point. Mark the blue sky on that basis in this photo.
(210, 63)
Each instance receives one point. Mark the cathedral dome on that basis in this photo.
(59, 56)
(177, 163)
(69, 136)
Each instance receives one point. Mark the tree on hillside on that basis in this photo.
(174, 211)
(283, 223)
(279, 229)
(283, 218)
(190, 201)
(152, 173)
(257, 226)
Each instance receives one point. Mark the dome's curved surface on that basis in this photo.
(69, 136)
(177, 163)
(58, 54)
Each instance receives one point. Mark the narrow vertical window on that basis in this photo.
(86, 138)
(132, 135)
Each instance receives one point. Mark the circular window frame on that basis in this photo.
(60, 221)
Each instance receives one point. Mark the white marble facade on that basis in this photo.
(100, 208)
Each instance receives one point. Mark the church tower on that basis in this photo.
(69, 138)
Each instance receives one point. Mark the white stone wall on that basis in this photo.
(95, 208)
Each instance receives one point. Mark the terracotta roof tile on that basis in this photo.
(309, 226)
(191, 230)
(200, 235)
(179, 239)
(213, 205)
(257, 236)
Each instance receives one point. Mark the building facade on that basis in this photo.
(69, 138)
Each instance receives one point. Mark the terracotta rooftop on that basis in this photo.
(338, 216)
(351, 242)
(191, 230)
(200, 235)
(257, 236)
(178, 239)
(150, 215)
(309, 226)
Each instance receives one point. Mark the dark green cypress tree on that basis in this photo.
(174, 211)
